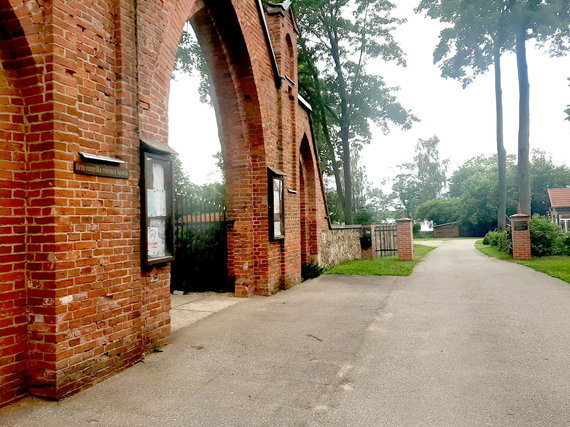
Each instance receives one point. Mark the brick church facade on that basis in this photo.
(76, 303)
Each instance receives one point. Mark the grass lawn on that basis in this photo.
(555, 266)
(386, 266)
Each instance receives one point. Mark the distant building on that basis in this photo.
(451, 229)
(560, 206)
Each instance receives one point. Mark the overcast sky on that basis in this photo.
(464, 120)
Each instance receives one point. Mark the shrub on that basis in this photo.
(502, 240)
(310, 270)
(562, 245)
(491, 238)
(416, 229)
(505, 241)
(544, 236)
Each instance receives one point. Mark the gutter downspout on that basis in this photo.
(276, 73)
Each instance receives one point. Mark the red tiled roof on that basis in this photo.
(559, 197)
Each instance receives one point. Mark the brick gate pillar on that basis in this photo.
(405, 236)
(521, 236)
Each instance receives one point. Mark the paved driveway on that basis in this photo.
(465, 340)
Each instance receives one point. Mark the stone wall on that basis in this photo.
(341, 243)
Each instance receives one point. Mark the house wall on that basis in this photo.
(562, 217)
(446, 231)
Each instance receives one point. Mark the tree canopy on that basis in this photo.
(476, 35)
(337, 41)
(422, 180)
(473, 192)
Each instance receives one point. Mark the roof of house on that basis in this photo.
(559, 197)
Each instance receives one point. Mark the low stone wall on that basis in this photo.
(341, 243)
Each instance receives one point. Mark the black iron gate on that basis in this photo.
(386, 240)
(200, 239)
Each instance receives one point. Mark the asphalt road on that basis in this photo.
(465, 341)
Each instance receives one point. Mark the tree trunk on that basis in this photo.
(325, 126)
(334, 162)
(524, 123)
(344, 123)
(501, 154)
(347, 175)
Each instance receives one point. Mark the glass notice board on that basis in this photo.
(276, 204)
(157, 215)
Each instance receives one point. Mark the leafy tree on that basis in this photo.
(422, 180)
(181, 179)
(544, 174)
(479, 32)
(338, 39)
(474, 40)
(474, 185)
(370, 204)
(439, 211)
(567, 111)
(189, 60)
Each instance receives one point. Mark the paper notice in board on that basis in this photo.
(156, 203)
(158, 176)
(156, 239)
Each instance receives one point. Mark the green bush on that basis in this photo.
(502, 240)
(546, 238)
(490, 238)
(310, 270)
(562, 245)
(544, 235)
(505, 241)
(416, 229)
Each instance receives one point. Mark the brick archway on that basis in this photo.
(93, 77)
(24, 135)
(309, 189)
(13, 318)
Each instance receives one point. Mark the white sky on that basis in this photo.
(464, 120)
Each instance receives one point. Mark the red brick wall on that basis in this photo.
(78, 76)
(521, 238)
(405, 235)
(26, 168)
(13, 315)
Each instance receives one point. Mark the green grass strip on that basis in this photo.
(385, 266)
(555, 266)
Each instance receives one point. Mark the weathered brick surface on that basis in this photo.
(405, 236)
(521, 238)
(94, 77)
(13, 316)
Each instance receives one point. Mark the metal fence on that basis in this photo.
(200, 239)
